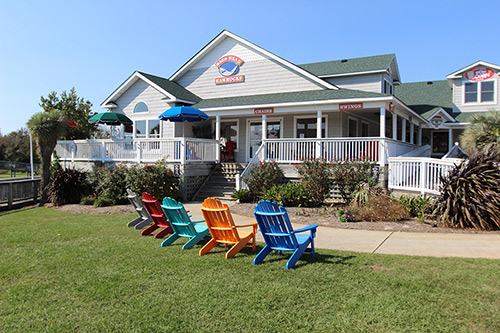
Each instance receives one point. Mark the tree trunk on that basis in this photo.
(46, 156)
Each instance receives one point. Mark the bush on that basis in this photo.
(264, 176)
(68, 187)
(156, 179)
(113, 185)
(347, 175)
(345, 215)
(243, 196)
(289, 195)
(103, 202)
(378, 207)
(88, 200)
(417, 206)
(470, 193)
(315, 177)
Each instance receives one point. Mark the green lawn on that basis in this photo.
(69, 272)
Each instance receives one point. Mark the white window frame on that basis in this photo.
(224, 120)
(256, 120)
(309, 117)
(133, 111)
(149, 129)
(479, 89)
(135, 129)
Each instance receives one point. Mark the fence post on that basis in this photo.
(183, 151)
(423, 174)
(9, 196)
(103, 151)
(73, 149)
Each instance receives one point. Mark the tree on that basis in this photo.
(73, 108)
(15, 147)
(483, 130)
(46, 128)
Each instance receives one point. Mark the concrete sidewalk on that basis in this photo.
(388, 242)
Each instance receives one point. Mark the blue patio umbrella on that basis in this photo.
(182, 114)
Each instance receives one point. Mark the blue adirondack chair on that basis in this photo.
(279, 235)
(182, 224)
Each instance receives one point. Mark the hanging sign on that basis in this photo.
(263, 111)
(479, 74)
(228, 67)
(351, 106)
(437, 121)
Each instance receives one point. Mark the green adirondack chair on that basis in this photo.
(182, 224)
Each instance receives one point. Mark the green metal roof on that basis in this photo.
(353, 65)
(289, 97)
(172, 87)
(426, 98)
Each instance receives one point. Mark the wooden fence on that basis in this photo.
(15, 192)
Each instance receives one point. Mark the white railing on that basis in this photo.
(145, 150)
(254, 162)
(418, 174)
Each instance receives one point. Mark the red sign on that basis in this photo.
(230, 79)
(352, 106)
(479, 74)
(263, 111)
(230, 58)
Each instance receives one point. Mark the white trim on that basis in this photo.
(444, 113)
(312, 116)
(226, 34)
(352, 74)
(147, 112)
(259, 120)
(478, 93)
(456, 75)
(135, 129)
(148, 130)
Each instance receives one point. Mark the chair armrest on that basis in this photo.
(246, 225)
(200, 221)
(309, 227)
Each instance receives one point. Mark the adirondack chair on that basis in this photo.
(223, 230)
(278, 233)
(159, 219)
(182, 224)
(144, 219)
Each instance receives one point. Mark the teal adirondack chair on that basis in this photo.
(279, 235)
(182, 224)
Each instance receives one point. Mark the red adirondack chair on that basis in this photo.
(227, 154)
(159, 219)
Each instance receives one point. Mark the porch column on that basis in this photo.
(382, 144)
(450, 138)
(382, 122)
(403, 130)
(319, 123)
(394, 126)
(420, 134)
(264, 134)
(412, 132)
(217, 137)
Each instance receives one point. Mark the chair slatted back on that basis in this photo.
(178, 217)
(219, 221)
(136, 202)
(154, 209)
(275, 226)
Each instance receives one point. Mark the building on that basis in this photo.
(338, 109)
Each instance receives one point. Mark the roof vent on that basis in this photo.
(343, 60)
(430, 82)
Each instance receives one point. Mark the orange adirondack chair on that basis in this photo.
(223, 230)
(159, 219)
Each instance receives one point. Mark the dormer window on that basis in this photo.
(387, 87)
(479, 92)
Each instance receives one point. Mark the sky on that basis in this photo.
(94, 46)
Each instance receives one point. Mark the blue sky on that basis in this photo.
(95, 45)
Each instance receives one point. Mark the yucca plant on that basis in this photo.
(470, 193)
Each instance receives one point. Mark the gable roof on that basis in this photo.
(426, 98)
(458, 74)
(289, 97)
(172, 90)
(342, 67)
(226, 34)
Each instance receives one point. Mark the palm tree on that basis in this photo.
(46, 128)
(483, 130)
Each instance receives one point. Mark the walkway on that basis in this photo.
(388, 242)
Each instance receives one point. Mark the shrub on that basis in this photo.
(345, 215)
(68, 187)
(288, 195)
(470, 193)
(315, 177)
(103, 202)
(113, 185)
(264, 176)
(88, 200)
(348, 174)
(378, 207)
(156, 179)
(243, 195)
(417, 206)
(364, 191)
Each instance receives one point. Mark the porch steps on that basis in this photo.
(221, 183)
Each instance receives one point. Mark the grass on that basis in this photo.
(68, 272)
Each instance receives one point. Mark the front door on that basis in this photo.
(439, 144)
(255, 131)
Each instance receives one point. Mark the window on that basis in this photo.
(353, 128)
(306, 128)
(141, 107)
(229, 131)
(387, 87)
(128, 131)
(154, 128)
(365, 129)
(479, 92)
(140, 129)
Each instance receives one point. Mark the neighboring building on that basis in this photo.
(351, 107)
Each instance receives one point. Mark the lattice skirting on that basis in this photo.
(193, 184)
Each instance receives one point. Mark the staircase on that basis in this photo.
(221, 182)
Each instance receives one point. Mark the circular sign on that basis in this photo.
(479, 74)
